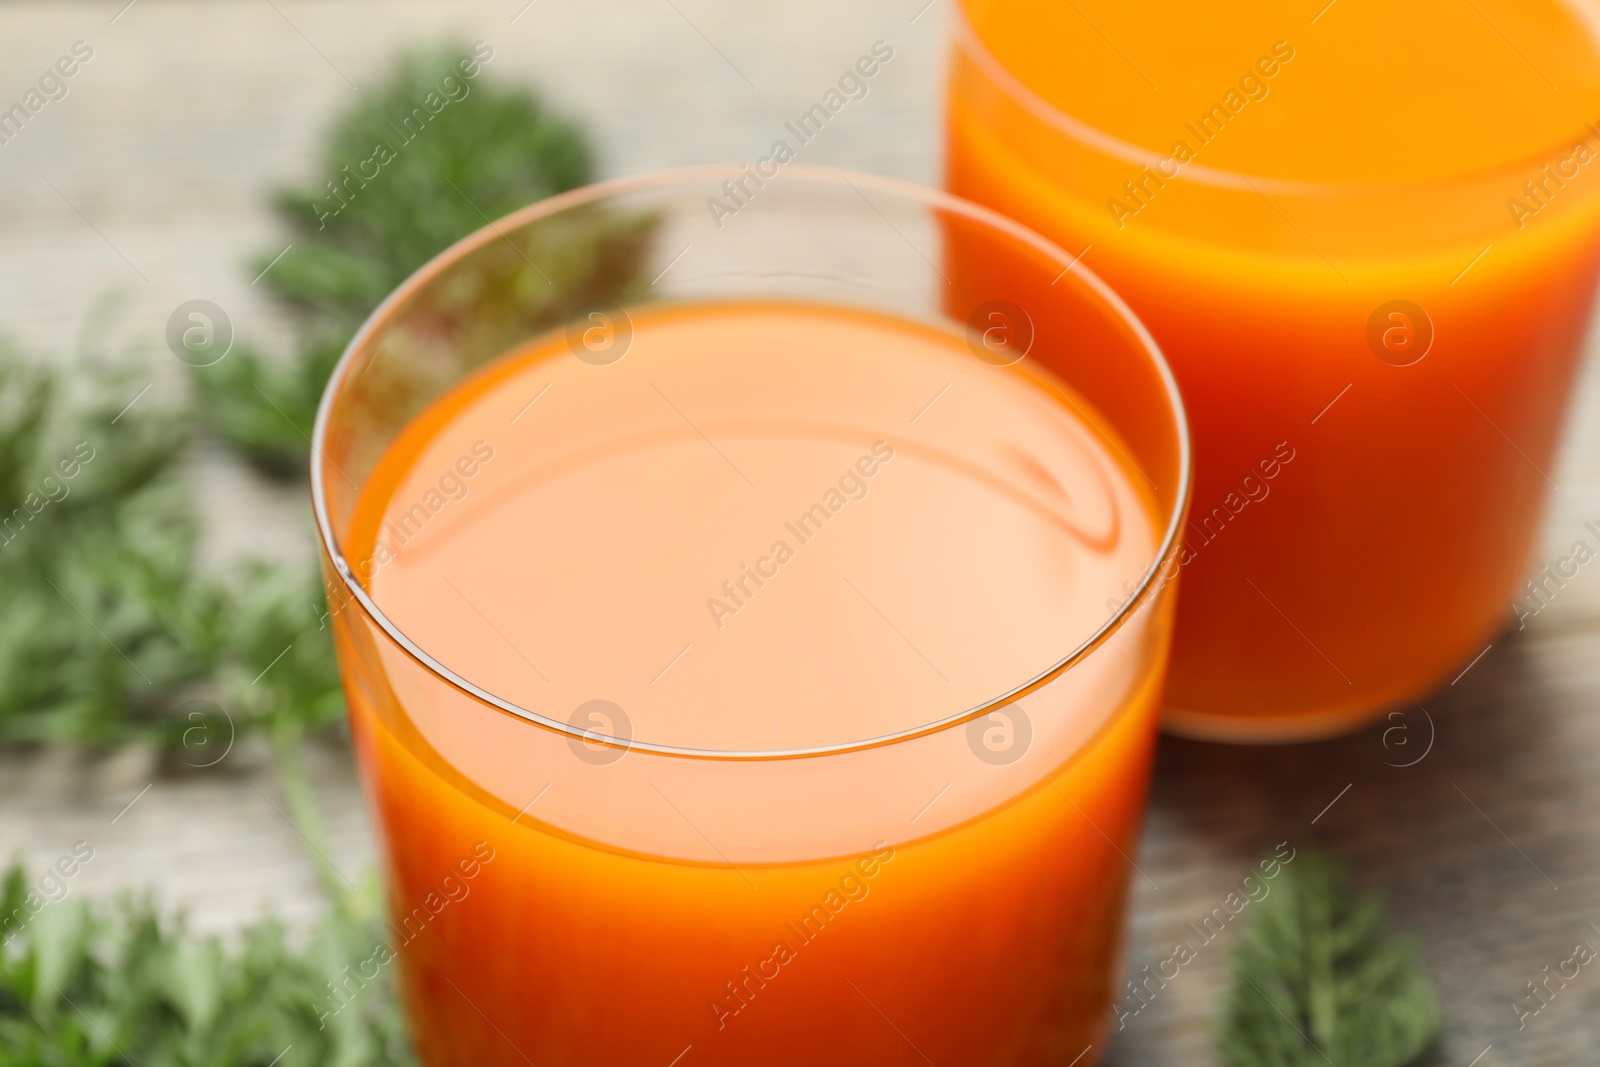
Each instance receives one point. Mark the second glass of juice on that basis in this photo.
(753, 619)
(1367, 236)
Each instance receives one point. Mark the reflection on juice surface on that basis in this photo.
(1364, 236)
(768, 528)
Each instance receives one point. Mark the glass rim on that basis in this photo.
(966, 38)
(1149, 583)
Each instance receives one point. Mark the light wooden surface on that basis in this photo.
(149, 179)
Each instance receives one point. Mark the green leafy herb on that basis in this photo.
(1316, 982)
(397, 183)
(89, 985)
(109, 627)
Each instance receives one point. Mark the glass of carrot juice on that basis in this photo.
(1366, 236)
(753, 623)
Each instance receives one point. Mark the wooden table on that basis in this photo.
(149, 179)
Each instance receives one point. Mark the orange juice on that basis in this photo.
(762, 560)
(1366, 238)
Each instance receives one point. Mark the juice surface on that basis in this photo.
(748, 484)
(1370, 92)
(957, 896)
(1361, 514)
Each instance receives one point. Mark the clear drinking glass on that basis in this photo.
(1376, 370)
(873, 807)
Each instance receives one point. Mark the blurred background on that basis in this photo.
(152, 182)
